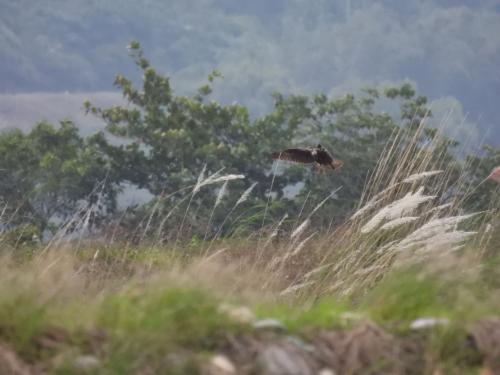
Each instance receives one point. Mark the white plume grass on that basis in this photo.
(397, 209)
(432, 229)
(445, 241)
(420, 176)
(213, 179)
(300, 229)
(222, 192)
(246, 194)
(276, 229)
(399, 222)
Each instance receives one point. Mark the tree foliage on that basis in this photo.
(160, 141)
(50, 173)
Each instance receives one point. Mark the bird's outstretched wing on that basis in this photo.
(298, 155)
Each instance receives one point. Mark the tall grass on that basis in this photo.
(409, 212)
(166, 295)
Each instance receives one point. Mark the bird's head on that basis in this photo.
(319, 146)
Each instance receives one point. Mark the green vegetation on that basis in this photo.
(162, 141)
(345, 264)
(63, 307)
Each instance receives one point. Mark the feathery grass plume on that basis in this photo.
(387, 248)
(269, 198)
(437, 246)
(200, 178)
(373, 202)
(431, 229)
(277, 227)
(397, 209)
(444, 241)
(220, 195)
(227, 177)
(215, 178)
(212, 179)
(368, 206)
(222, 192)
(246, 194)
(419, 176)
(398, 222)
(301, 228)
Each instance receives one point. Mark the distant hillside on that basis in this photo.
(448, 49)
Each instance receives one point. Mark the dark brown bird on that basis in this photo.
(321, 158)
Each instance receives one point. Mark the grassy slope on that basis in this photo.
(147, 311)
(132, 307)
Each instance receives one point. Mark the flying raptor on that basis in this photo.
(318, 155)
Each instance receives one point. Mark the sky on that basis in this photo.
(58, 53)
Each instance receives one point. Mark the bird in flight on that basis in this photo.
(318, 155)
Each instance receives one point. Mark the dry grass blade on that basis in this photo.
(301, 245)
(301, 228)
(278, 226)
(419, 176)
(440, 208)
(295, 288)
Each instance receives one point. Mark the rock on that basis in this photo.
(485, 335)
(11, 364)
(52, 338)
(269, 325)
(221, 365)
(423, 323)
(240, 314)
(86, 363)
(94, 340)
(300, 343)
(326, 371)
(486, 371)
(283, 360)
(367, 347)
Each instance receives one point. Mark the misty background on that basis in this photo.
(56, 54)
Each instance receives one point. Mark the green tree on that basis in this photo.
(50, 173)
(166, 139)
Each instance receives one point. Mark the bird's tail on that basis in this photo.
(276, 155)
(336, 164)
